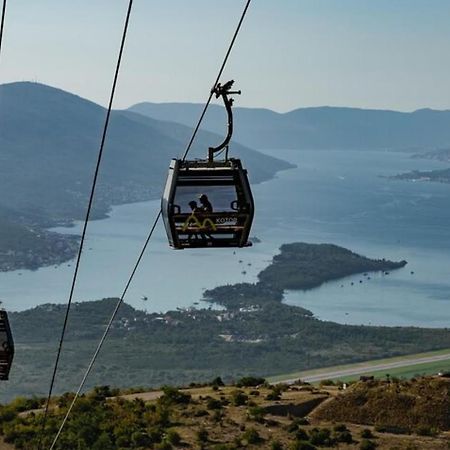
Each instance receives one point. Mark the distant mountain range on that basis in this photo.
(317, 128)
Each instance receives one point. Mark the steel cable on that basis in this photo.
(2, 24)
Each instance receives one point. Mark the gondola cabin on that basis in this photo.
(6, 346)
(209, 203)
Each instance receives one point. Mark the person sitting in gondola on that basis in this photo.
(194, 206)
(206, 205)
(193, 218)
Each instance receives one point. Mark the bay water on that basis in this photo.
(339, 197)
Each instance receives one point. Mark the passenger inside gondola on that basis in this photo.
(206, 204)
(203, 221)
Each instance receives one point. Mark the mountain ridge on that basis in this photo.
(322, 127)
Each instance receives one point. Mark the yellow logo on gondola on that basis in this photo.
(193, 222)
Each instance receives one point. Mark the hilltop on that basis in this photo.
(318, 128)
(403, 406)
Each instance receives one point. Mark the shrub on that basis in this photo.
(344, 436)
(213, 403)
(256, 413)
(173, 437)
(202, 435)
(141, 439)
(367, 445)
(340, 427)
(276, 445)
(238, 398)
(274, 395)
(251, 436)
(301, 435)
(366, 433)
(218, 415)
(217, 382)
(302, 445)
(321, 437)
(327, 383)
(164, 445)
(250, 381)
(391, 429)
(426, 431)
(173, 395)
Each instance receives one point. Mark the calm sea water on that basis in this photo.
(336, 197)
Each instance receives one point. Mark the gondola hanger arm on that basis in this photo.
(224, 91)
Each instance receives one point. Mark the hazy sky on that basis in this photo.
(290, 53)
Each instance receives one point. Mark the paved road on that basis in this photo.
(361, 369)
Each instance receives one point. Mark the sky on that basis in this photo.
(383, 54)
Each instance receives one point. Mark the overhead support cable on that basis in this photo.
(107, 329)
(88, 214)
(147, 241)
(2, 24)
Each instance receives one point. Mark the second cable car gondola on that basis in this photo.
(6, 346)
(209, 203)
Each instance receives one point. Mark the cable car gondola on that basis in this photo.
(209, 203)
(6, 346)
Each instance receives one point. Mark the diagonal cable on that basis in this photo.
(107, 329)
(2, 24)
(147, 241)
(88, 213)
